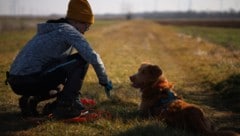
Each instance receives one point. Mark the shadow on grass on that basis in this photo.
(12, 122)
(225, 94)
(121, 109)
(155, 129)
(229, 92)
(222, 96)
(126, 111)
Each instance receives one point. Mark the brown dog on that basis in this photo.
(159, 100)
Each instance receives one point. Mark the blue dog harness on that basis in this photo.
(171, 97)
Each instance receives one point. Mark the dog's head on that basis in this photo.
(146, 76)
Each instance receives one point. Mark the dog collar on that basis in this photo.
(171, 97)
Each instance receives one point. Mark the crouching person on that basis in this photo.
(45, 63)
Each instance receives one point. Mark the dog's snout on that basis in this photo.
(131, 78)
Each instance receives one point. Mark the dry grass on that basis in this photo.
(194, 66)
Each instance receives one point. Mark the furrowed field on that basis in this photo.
(204, 71)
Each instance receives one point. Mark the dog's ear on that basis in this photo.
(155, 70)
(144, 64)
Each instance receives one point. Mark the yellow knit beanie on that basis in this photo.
(81, 11)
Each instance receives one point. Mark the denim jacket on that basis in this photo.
(53, 41)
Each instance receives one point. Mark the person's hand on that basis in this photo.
(108, 88)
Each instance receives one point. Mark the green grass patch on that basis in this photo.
(227, 37)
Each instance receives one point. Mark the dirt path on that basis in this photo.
(192, 64)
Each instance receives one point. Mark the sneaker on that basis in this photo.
(49, 108)
(67, 109)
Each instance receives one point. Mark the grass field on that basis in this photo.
(203, 73)
(227, 37)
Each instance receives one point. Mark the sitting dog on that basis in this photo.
(158, 100)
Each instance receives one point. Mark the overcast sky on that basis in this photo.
(47, 7)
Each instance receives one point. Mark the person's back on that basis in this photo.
(48, 45)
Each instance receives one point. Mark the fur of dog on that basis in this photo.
(158, 100)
